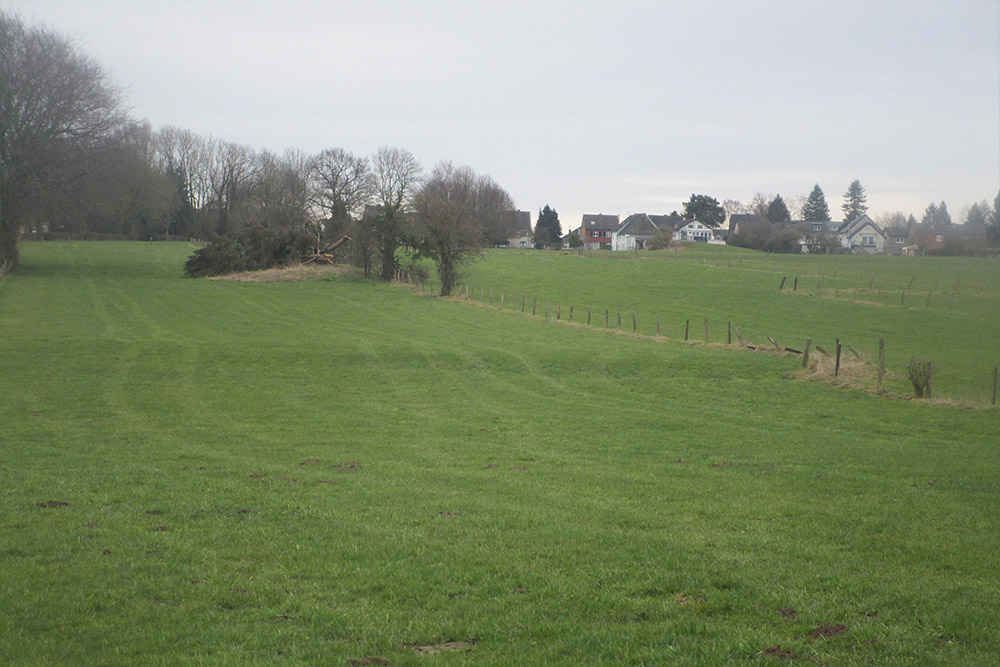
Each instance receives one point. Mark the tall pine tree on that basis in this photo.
(777, 210)
(816, 208)
(548, 231)
(855, 201)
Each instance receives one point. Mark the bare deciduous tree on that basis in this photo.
(453, 209)
(395, 176)
(56, 105)
(340, 186)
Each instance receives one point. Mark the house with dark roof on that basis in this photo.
(518, 225)
(596, 230)
(635, 232)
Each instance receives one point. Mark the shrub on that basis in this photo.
(919, 372)
(250, 249)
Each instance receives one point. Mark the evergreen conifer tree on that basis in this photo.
(855, 201)
(816, 208)
(777, 210)
(548, 231)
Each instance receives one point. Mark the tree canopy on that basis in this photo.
(777, 210)
(453, 211)
(855, 201)
(548, 231)
(936, 215)
(56, 106)
(816, 209)
(705, 209)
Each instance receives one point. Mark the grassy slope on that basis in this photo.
(958, 330)
(330, 470)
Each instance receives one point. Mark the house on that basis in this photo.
(596, 230)
(862, 235)
(896, 240)
(635, 232)
(816, 236)
(926, 239)
(693, 230)
(518, 224)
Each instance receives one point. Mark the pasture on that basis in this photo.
(343, 472)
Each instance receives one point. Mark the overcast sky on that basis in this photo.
(590, 107)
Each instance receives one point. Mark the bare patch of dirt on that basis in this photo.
(430, 649)
(684, 598)
(827, 630)
(520, 590)
(369, 660)
(53, 503)
(287, 274)
(243, 512)
(106, 552)
(788, 612)
(447, 514)
(309, 462)
(288, 479)
(727, 464)
(491, 466)
(518, 468)
(326, 481)
(257, 475)
(161, 529)
(528, 458)
(154, 512)
(193, 468)
(777, 652)
(679, 461)
(349, 465)
(281, 617)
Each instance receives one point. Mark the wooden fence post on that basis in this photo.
(729, 334)
(805, 355)
(633, 323)
(994, 401)
(501, 300)
(523, 298)
(930, 374)
(687, 325)
(782, 285)
(836, 370)
(657, 326)
(558, 312)
(619, 320)
(571, 313)
(534, 306)
(588, 317)
(902, 298)
(795, 284)
(706, 331)
(881, 362)
(605, 318)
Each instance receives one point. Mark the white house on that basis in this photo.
(862, 235)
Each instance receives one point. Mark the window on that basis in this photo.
(900, 239)
(817, 228)
(939, 238)
(868, 240)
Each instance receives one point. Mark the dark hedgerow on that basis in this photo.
(250, 249)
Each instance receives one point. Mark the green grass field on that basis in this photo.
(342, 472)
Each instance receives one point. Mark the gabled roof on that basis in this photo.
(599, 221)
(667, 222)
(857, 224)
(638, 224)
(520, 220)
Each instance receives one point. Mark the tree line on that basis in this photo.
(73, 163)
